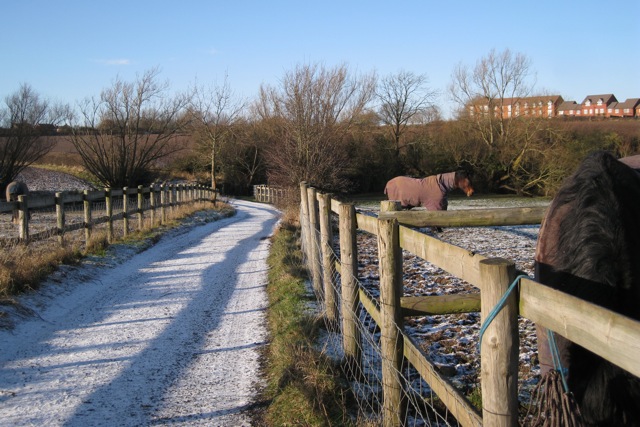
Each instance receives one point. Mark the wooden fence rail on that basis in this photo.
(148, 199)
(608, 334)
(270, 193)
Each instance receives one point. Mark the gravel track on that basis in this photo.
(168, 336)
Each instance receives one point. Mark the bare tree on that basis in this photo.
(311, 113)
(29, 123)
(481, 92)
(513, 143)
(215, 111)
(128, 128)
(243, 158)
(404, 99)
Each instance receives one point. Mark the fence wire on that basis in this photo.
(423, 406)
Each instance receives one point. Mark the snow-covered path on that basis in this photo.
(170, 336)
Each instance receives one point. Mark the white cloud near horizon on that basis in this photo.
(121, 61)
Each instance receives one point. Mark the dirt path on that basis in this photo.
(170, 336)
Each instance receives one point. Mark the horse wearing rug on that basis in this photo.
(430, 192)
(589, 246)
(15, 189)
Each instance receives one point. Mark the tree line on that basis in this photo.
(334, 128)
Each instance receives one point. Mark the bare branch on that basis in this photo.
(29, 123)
(130, 127)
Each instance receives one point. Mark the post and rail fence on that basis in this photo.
(390, 361)
(131, 203)
(270, 193)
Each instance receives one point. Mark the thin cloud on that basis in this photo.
(121, 61)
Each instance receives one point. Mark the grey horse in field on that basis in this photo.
(15, 189)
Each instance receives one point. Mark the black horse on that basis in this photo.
(589, 246)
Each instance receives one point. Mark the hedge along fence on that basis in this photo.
(350, 309)
(132, 203)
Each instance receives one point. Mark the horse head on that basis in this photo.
(463, 182)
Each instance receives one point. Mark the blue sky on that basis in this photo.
(70, 49)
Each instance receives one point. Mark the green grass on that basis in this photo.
(304, 388)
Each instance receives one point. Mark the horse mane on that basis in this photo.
(462, 174)
(598, 259)
(599, 235)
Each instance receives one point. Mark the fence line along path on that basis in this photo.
(128, 205)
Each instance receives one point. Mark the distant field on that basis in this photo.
(64, 153)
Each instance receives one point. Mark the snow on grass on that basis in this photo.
(451, 341)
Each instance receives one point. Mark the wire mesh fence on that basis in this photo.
(417, 403)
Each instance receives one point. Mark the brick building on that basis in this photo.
(531, 106)
(605, 106)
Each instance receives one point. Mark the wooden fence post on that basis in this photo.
(349, 286)
(304, 219)
(390, 205)
(140, 208)
(125, 211)
(23, 218)
(391, 341)
(60, 219)
(328, 266)
(87, 217)
(172, 198)
(109, 206)
(163, 204)
(152, 205)
(314, 250)
(499, 347)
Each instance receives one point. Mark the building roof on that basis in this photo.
(629, 103)
(607, 99)
(553, 98)
(569, 105)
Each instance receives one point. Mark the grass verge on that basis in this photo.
(304, 388)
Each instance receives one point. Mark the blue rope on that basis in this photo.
(555, 353)
(499, 307)
(555, 356)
